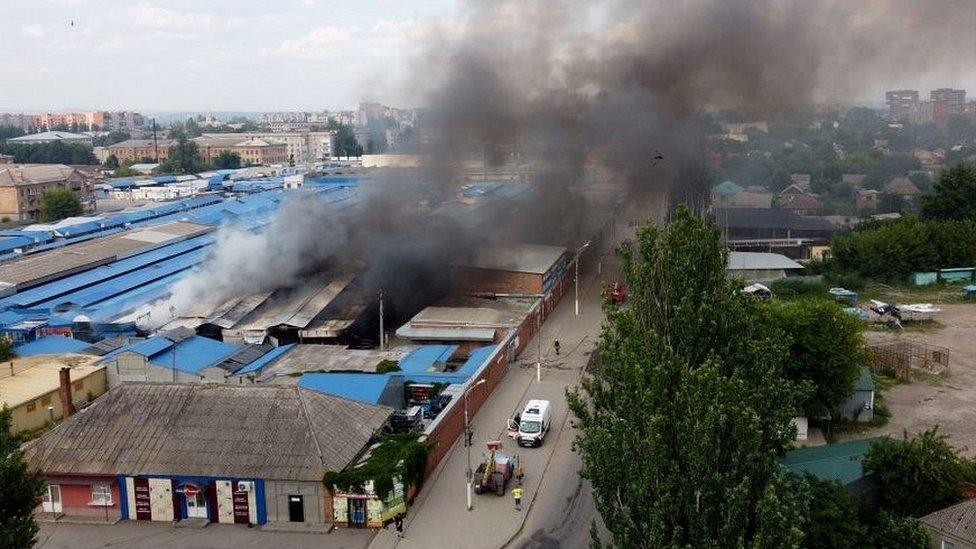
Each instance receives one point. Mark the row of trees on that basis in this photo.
(54, 152)
(684, 415)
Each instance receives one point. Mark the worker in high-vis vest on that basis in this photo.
(517, 494)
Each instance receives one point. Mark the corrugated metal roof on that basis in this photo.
(841, 462)
(366, 388)
(194, 354)
(739, 261)
(52, 345)
(958, 520)
(208, 429)
(426, 356)
(264, 360)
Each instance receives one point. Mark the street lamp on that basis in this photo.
(576, 283)
(466, 442)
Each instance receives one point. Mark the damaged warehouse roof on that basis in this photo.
(248, 431)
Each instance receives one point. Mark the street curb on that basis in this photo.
(528, 508)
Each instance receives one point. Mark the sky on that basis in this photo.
(263, 55)
(248, 55)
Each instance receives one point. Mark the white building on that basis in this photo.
(49, 137)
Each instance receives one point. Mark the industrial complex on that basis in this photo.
(319, 355)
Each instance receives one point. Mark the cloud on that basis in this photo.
(155, 17)
(318, 43)
(32, 31)
(114, 44)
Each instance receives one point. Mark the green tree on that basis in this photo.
(126, 170)
(954, 195)
(111, 162)
(6, 132)
(183, 158)
(919, 475)
(683, 417)
(227, 160)
(827, 349)
(20, 490)
(59, 203)
(832, 518)
(891, 530)
(111, 138)
(6, 349)
(345, 140)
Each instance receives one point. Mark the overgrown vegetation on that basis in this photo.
(891, 249)
(387, 365)
(919, 475)
(20, 490)
(59, 203)
(826, 348)
(400, 457)
(6, 349)
(54, 152)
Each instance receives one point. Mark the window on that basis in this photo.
(948, 545)
(31, 406)
(101, 494)
(45, 400)
(79, 386)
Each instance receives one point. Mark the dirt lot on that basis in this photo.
(949, 401)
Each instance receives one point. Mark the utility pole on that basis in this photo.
(155, 141)
(538, 342)
(576, 279)
(467, 428)
(382, 332)
(172, 315)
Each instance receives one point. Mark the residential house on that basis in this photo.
(866, 200)
(953, 527)
(799, 200)
(239, 454)
(853, 179)
(252, 150)
(22, 185)
(903, 187)
(757, 229)
(801, 180)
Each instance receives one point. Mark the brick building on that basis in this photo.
(137, 150)
(253, 151)
(22, 185)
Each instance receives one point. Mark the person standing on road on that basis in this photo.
(555, 345)
(517, 494)
(398, 523)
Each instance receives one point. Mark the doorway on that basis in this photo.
(196, 505)
(52, 499)
(357, 512)
(296, 509)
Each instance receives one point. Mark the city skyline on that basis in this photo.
(295, 55)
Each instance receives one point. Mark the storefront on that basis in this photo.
(232, 501)
(367, 510)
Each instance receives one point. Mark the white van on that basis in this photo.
(534, 423)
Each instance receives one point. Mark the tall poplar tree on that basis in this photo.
(683, 417)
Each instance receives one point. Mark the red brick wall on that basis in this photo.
(469, 280)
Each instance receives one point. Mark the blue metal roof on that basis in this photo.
(79, 229)
(11, 243)
(150, 347)
(122, 184)
(265, 359)
(475, 360)
(52, 345)
(421, 359)
(366, 388)
(194, 354)
(164, 178)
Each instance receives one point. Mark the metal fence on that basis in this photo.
(898, 358)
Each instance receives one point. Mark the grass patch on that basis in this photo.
(913, 326)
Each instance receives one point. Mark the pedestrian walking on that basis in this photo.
(398, 523)
(555, 344)
(517, 494)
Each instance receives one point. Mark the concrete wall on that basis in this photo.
(34, 414)
(130, 366)
(313, 495)
(937, 537)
